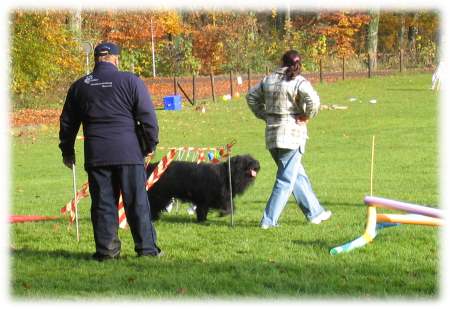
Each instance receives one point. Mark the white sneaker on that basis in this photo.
(325, 215)
(170, 206)
(267, 226)
(191, 210)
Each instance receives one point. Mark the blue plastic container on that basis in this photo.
(172, 103)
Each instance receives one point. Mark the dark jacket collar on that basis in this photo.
(105, 66)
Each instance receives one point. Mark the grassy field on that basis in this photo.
(216, 261)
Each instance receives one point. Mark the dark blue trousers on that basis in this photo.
(105, 185)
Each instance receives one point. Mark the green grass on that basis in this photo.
(213, 260)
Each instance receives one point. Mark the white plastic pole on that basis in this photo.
(75, 200)
(153, 48)
(231, 188)
(87, 63)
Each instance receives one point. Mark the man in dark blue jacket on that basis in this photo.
(109, 104)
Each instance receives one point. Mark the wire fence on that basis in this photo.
(197, 89)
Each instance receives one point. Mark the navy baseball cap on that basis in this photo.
(104, 49)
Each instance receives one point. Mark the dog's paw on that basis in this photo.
(191, 210)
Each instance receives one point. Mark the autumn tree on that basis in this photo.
(75, 23)
(340, 29)
(394, 31)
(243, 44)
(209, 47)
(132, 30)
(224, 40)
(372, 38)
(177, 56)
(43, 52)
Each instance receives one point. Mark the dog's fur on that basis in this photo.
(206, 184)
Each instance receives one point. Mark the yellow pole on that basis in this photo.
(370, 232)
(371, 165)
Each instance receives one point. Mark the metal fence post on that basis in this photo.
(401, 60)
(248, 79)
(231, 83)
(211, 76)
(193, 89)
(320, 70)
(174, 85)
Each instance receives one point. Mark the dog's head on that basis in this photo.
(245, 164)
(244, 169)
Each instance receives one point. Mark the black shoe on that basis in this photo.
(102, 257)
(159, 254)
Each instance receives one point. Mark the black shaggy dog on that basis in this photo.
(206, 185)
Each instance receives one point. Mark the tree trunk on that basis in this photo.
(372, 38)
(279, 22)
(288, 26)
(412, 34)
(401, 40)
(75, 22)
(401, 32)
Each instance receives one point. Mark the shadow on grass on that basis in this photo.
(344, 204)
(213, 219)
(316, 243)
(406, 89)
(51, 254)
(266, 276)
(324, 203)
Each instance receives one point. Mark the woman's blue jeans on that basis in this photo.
(291, 178)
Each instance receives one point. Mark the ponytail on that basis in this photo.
(291, 59)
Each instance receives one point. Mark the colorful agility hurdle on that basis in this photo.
(417, 214)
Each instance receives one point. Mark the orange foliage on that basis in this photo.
(209, 41)
(42, 51)
(341, 28)
(132, 29)
(213, 31)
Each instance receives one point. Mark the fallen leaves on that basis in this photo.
(34, 117)
(182, 291)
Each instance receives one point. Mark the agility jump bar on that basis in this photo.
(396, 205)
(409, 219)
(417, 214)
(27, 218)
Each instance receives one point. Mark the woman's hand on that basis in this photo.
(301, 119)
